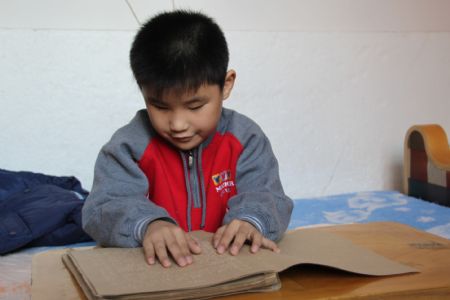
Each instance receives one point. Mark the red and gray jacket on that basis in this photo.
(140, 178)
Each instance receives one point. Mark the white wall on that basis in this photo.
(335, 84)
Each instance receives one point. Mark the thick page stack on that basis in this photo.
(116, 273)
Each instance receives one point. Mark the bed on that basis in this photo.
(423, 205)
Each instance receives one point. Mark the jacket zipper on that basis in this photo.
(194, 179)
(190, 159)
(193, 175)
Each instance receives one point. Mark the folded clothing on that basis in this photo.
(39, 210)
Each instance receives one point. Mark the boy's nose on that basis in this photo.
(178, 124)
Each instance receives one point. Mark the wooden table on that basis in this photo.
(426, 252)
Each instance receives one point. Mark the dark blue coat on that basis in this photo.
(39, 210)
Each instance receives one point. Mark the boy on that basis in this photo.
(185, 163)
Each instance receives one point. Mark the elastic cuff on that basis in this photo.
(140, 228)
(255, 222)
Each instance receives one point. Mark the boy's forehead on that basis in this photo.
(180, 93)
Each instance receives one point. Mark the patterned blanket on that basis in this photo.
(374, 206)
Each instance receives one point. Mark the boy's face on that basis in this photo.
(186, 119)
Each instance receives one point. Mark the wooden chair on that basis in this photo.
(427, 164)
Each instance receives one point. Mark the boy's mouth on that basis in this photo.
(182, 139)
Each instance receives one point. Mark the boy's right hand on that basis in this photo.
(163, 238)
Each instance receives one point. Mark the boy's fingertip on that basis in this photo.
(215, 243)
(195, 248)
(189, 259)
(166, 263)
(182, 262)
(151, 261)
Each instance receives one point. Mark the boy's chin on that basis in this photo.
(186, 146)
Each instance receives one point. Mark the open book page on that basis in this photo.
(264, 282)
(116, 271)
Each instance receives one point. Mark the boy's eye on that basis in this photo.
(196, 107)
(159, 106)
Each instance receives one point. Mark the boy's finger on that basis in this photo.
(175, 250)
(227, 237)
(149, 253)
(268, 244)
(183, 245)
(218, 235)
(194, 245)
(256, 242)
(161, 253)
(239, 240)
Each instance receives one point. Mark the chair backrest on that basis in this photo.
(426, 169)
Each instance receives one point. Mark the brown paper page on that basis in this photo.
(115, 271)
(327, 249)
(50, 279)
(263, 282)
(101, 271)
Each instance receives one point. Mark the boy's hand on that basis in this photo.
(163, 238)
(236, 233)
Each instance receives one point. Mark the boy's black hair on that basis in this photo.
(180, 50)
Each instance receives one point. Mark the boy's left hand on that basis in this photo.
(236, 233)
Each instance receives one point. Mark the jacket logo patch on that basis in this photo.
(221, 177)
(216, 179)
(223, 182)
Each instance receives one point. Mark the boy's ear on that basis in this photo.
(230, 77)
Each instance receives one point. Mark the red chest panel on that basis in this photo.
(163, 166)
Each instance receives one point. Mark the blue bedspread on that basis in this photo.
(15, 275)
(374, 206)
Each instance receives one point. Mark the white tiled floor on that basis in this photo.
(240, 15)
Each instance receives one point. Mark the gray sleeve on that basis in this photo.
(117, 211)
(260, 198)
